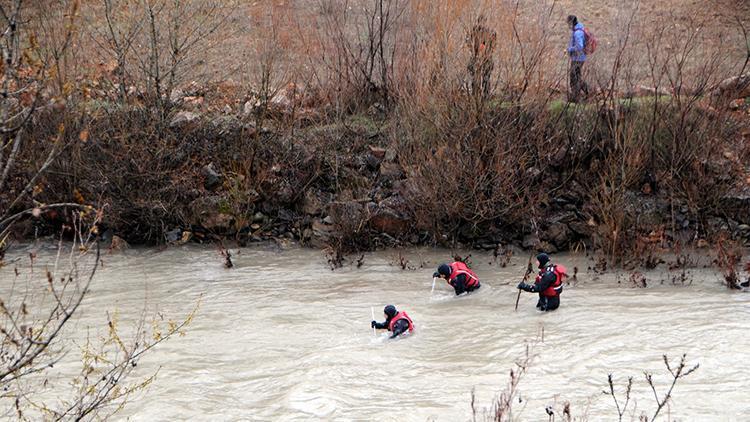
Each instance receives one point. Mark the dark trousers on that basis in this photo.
(576, 81)
(548, 303)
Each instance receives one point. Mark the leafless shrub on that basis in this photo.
(681, 371)
(335, 255)
(152, 45)
(728, 258)
(620, 410)
(503, 253)
(669, 137)
(682, 263)
(27, 70)
(646, 252)
(637, 279)
(502, 407)
(358, 46)
(226, 256)
(173, 33)
(600, 266)
(116, 42)
(481, 44)
(403, 262)
(34, 311)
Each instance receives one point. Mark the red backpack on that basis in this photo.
(589, 42)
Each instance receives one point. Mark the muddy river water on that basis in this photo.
(282, 337)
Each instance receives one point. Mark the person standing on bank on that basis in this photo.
(459, 276)
(577, 52)
(395, 322)
(549, 283)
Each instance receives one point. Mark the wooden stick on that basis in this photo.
(517, 299)
(529, 269)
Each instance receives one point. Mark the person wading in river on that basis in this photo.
(395, 322)
(459, 276)
(577, 50)
(549, 283)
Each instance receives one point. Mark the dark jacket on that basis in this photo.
(401, 326)
(459, 285)
(547, 278)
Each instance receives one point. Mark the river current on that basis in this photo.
(282, 337)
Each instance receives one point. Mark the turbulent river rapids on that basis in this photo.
(282, 337)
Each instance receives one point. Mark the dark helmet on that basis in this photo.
(390, 310)
(543, 259)
(444, 269)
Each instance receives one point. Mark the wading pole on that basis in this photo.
(433, 286)
(372, 311)
(518, 298)
(525, 277)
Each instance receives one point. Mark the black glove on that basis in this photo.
(525, 287)
(373, 324)
(435, 275)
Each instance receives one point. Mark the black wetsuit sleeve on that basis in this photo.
(400, 327)
(382, 325)
(459, 284)
(548, 279)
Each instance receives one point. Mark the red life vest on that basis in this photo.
(556, 287)
(398, 316)
(458, 268)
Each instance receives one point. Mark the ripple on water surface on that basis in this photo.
(281, 337)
